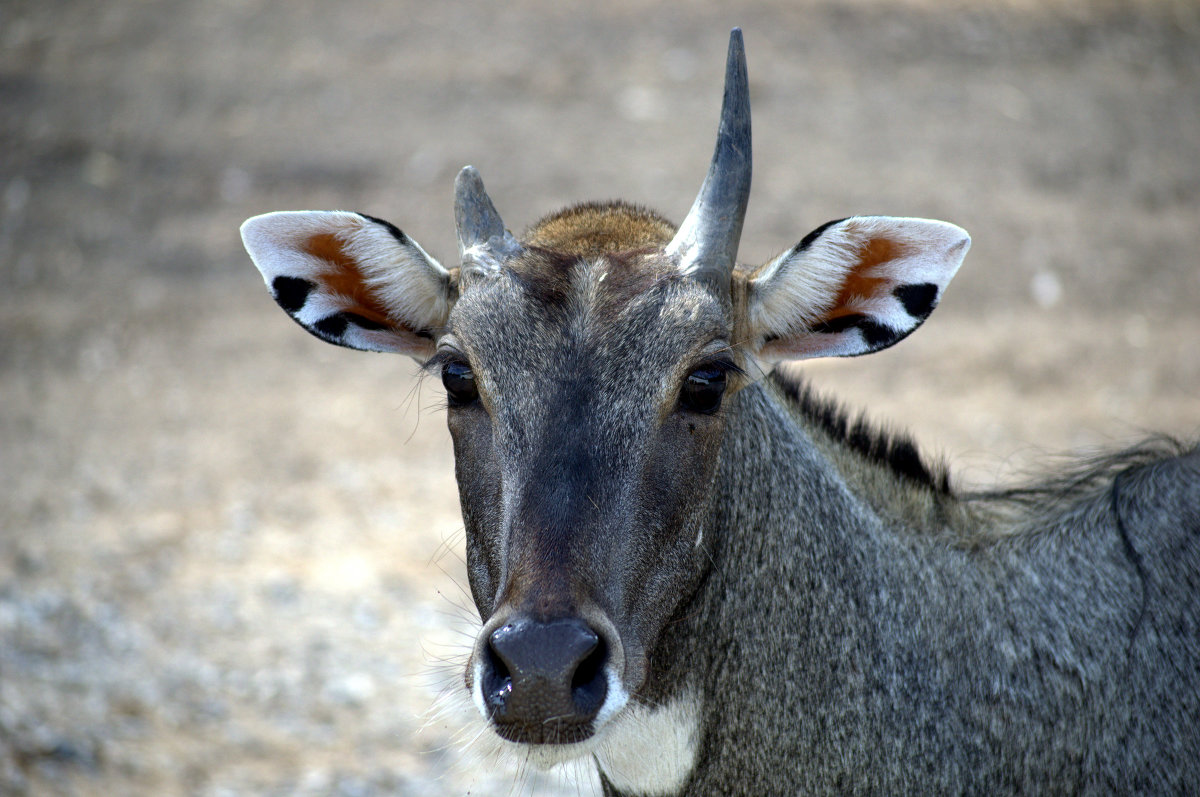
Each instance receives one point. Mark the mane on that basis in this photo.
(893, 451)
(1079, 475)
(890, 472)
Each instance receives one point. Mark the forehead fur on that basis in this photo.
(590, 294)
(587, 279)
(599, 228)
(595, 257)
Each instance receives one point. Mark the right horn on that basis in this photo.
(706, 244)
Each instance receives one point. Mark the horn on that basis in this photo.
(707, 242)
(478, 224)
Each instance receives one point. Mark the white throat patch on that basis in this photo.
(649, 750)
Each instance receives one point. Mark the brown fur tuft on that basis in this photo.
(597, 228)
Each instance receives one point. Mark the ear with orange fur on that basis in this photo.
(351, 279)
(852, 287)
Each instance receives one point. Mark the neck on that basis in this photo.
(774, 502)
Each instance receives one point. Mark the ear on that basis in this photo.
(851, 287)
(351, 279)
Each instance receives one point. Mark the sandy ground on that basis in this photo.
(230, 556)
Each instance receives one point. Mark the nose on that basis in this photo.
(544, 682)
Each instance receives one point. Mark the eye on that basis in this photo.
(459, 381)
(702, 390)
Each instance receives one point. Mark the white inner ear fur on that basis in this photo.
(399, 274)
(402, 276)
(799, 288)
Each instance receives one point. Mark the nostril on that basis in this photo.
(588, 684)
(497, 679)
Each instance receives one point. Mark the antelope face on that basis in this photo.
(587, 368)
(585, 398)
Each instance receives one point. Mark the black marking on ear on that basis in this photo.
(918, 300)
(362, 321)
(839, 324)
(332, 327)
(291, 292)
(877, 335)
(396, 232)
(807, 240)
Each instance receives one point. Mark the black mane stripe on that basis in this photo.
(1082, 475)
(894, 451)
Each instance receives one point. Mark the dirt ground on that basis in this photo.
(230, 555)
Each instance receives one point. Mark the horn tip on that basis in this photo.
(737, 51)
(466, 174)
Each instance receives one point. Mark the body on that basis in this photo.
(693, 572)
(1044, 651)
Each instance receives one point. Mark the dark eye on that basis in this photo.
(459, 381)
(702, 390)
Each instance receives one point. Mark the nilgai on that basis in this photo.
(695, 572)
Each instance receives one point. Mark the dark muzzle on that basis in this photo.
(543, 682)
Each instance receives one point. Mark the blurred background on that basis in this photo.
(230, 555)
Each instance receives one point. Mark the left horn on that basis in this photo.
(706, 244)
(479, 225)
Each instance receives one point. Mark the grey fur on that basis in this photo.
(844, 653)
(846, 628)
(841, 619)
